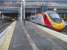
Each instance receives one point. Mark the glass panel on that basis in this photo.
(54, 16)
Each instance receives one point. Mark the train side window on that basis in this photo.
(37, 17)
(33, 18)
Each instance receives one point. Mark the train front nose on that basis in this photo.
(59, 26)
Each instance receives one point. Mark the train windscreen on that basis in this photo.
(55, 17)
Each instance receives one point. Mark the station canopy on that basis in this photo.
(55, 3)
(45, 0)
(16, 3)
(9, 3)
(9, 6)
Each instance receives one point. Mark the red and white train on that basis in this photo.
(50, 19)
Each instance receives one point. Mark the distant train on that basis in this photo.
(49, 19)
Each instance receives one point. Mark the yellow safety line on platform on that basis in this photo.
(7, 36)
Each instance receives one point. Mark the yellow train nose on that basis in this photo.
(58, 26)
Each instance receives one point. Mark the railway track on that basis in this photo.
(64, 31)
(4, 25)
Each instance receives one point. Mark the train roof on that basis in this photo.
(50, 12)
(38, 14)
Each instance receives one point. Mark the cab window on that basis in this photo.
(55, 17)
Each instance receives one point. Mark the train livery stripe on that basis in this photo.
(47, 22)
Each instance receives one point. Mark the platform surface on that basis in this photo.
(19, 40)
(29, 37)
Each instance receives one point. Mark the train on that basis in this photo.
(50, 19)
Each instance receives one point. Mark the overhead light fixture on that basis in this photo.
(55, 9)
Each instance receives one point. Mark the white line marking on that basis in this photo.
(58, 35)
(30, 40)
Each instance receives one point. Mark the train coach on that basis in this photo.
(49, 19)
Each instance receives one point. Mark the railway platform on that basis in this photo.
(30, 36)
(19, 40)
